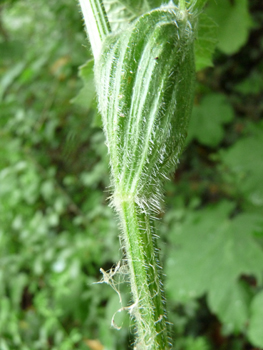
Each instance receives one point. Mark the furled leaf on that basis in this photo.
(255, 333)
(152, 87)
(234, 22)
(210, 252)
(206, 42)
(206, 124)
(244, 161)
(121, 12)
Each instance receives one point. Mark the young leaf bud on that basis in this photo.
(145, 83)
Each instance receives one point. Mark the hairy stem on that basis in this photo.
(148, 307)
(182, 5)
(96, 22)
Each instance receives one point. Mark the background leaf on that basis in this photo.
(210, 253)
(242, 161)
(207, 120)
(231, 301)
(256, 321)
(234, 23)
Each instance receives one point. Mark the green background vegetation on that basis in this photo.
(56, 229)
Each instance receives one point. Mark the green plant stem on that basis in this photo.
(96, 22)
(182, 5)
(148, 307)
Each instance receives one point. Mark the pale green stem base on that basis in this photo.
(148, 308)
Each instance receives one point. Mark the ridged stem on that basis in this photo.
(148, 307)
(96, 22)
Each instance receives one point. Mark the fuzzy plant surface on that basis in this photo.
(145, 77)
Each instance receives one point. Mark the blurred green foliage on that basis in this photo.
(56, 230)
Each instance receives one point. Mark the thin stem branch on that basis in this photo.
(96, 22)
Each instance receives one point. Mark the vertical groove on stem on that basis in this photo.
(96, 22)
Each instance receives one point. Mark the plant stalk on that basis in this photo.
(148, 307)
(138, 237)
(182, 5)
(96, 22)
